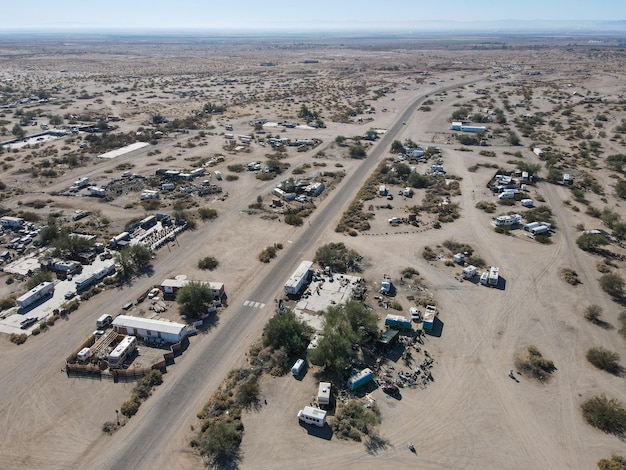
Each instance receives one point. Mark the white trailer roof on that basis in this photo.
(162, 326)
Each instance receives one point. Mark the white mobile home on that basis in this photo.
(35, 294)
(121, 352)
(494, 276)
(11, 222)
(323, 393)
(299, 278)
(469, 272)
(310, 415)
(170, 332)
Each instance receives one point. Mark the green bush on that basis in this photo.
(593, 313)
(18, 338)
(293, 219)
(608, 415)
(352, 420)
(130, 407)
(604, 359)
(209, 263)
(428, 254)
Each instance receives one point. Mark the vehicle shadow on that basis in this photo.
(437, 330)
(325, 432)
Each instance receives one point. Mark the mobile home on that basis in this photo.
(121, 352)
(494, 276)
(300, 278)
(310, 415)
(323, 393)
(360, 378)
(35, 294)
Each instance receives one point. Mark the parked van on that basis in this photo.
(104, 321)
(297, 367)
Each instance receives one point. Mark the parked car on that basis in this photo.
(70, 295)
(28, 322)
(390, 389)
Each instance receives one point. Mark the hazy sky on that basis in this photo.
(292, 15)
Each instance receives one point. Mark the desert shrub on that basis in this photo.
(293, 219)
(150, 205)
(409, 272)
(593, 313)
(267, 254)
(591, 241)
(533, 363)
(476, 261)
(543, 239)
(604, 359)
(7, 303)
(220, 441)
(129, 407)
(206, 213)
(622, 320)
(606, 414)
(36, 331)
(352, 420)
(209, 263)
(396, 305)
(569, 275)
(109, 427)
(236, 168)
(456, 247)
(428, 254)
(616, 462)
(612, 284)
(503, 229)
(247, 394)
(232, 177)
(488, 207)
(18, 338)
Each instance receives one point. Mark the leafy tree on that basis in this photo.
(555, 175)
(419, 181)
(344, 326)
(620, 189)
(357, 151)
(286, 331)
(337, 256)
(402, 170)
(17, 131)
(133, 259)
(221, 441)
(531, 168)
(591, 241)
(248, 393)
(612, 284)
(38, 278)
(340, 140)
(397, 147)
(194, 299)
(513, 138)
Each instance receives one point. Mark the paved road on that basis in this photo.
(146, 441)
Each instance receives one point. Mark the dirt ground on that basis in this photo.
(473, 415)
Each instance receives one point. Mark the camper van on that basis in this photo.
(104, 321)
(297, 368)
(310, 415)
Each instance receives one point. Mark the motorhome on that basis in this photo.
(310, 415)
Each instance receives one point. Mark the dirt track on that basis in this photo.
(472, 416)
